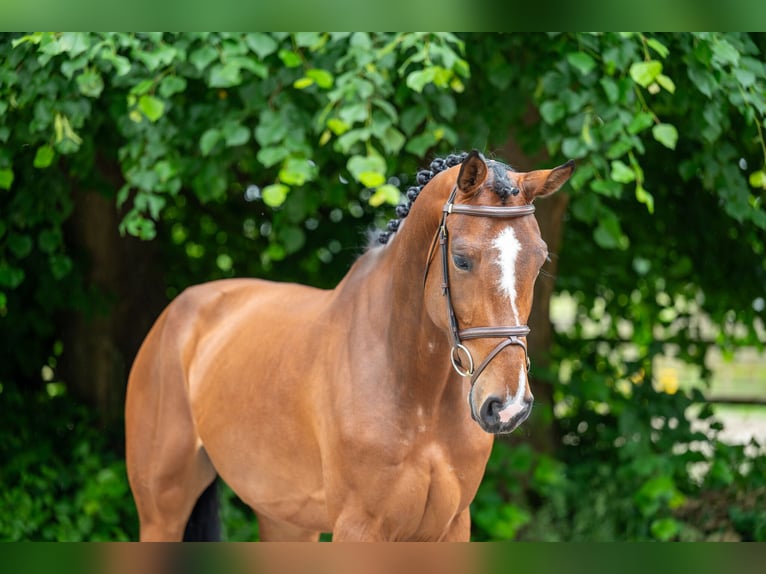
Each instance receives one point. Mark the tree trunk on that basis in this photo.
(540, 430)
(125, 294)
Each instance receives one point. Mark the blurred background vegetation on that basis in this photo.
(134, 165)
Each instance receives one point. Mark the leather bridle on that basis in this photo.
(511, 335)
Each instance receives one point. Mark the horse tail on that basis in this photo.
(204, 524)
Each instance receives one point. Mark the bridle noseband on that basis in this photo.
(510, 335)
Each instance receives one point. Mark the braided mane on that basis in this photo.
(423, 177)
(501, 186)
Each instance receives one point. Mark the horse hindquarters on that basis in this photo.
(167, 468)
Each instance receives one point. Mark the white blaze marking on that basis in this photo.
(515, 405)
(508, 248)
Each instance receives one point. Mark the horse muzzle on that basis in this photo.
(498, 416)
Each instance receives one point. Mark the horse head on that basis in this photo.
(491, 252)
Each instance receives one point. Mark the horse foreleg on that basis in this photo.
(460, 529)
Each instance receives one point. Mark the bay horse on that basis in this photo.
(367, 410)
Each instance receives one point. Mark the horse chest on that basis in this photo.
(433, 486)
(420, 482)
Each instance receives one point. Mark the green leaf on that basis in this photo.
(276, 252)
(664, 529)
(151, 107)
(269, 156)
(43, 157)
(292, 238)
(208, 140)
(235, 134)
(608, 234)
(418, 79)
(290, 58)
(10, 277)
(371, 178)
(61, 266)
(360, 164)
(644, 73)
(302, 83)
(607, 187)
(725, 53)
(90, 83)
(611, 89)
(337, 126)
(758, 179)
(323, 78)
(31, 38)
(640, 122)
(720, 472)
(574, 147)
(704, 80)
(171, 85)
(666, 83)
(385, 194)
(552, 111)
(260, 43)
(159, 55)
(224, 262)
(225, 75)
(272, 128)
(142, 87)
(165, 170)
(581, 61)
(296, 171)
(19, 244)
(275, 194)
(621, 173)
(121, 63)
(746, 78)
(420, 144)
(645, 197)
(658, 47)
(393, 140)
(203, 57)
(361, 40)
(6, 178)
(69, 67)
(666, 134)
(49, 240)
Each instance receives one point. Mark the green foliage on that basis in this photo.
(61, 479)
(654, 243)
(64, 480)
(266, 154)
(618, 477)
(168, 123)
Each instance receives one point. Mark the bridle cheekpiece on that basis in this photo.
(511, 335)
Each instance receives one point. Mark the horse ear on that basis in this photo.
(473, 172)
(542, 182)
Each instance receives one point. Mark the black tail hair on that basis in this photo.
(204, 523)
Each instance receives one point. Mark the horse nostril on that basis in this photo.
(490, 409)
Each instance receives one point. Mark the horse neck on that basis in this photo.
(390, 280)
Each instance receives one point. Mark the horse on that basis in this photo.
(367, 411)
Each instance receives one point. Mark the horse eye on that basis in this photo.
(462, 263)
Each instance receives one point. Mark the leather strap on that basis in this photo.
(511, 334)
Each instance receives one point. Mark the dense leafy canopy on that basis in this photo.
(268, 154)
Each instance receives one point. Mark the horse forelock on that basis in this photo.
(501, 184)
